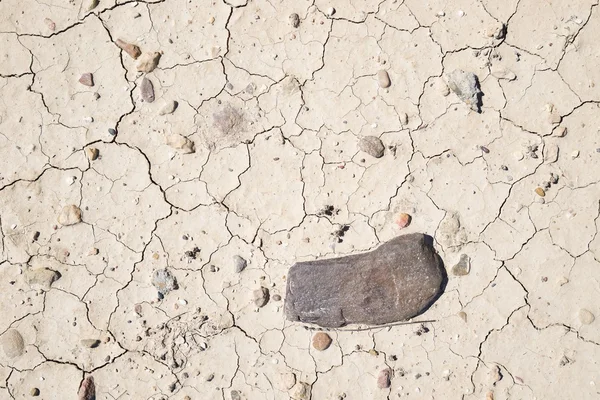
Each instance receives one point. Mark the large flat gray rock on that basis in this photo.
(394, 282)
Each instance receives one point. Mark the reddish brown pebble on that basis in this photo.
(403, 220)
(87, 391)
(321, 341)
(540, 192)
(87, 79)
(131, 49)
(384, 380)
(147, 90)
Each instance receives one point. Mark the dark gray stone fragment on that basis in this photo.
(398, 280)
(147, 90)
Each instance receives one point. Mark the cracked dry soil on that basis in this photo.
(163, 164)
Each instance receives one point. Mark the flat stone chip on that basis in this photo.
(395, 282)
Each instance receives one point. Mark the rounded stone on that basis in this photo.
(586, 317)
(295, 20)
(321, 341)
(384, 79)
(12, 343)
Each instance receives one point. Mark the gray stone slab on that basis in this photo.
(398, 280)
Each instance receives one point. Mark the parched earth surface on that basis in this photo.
(164, 163)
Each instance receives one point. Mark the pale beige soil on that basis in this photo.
(99, 189)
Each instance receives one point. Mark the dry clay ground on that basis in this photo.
(100, 191)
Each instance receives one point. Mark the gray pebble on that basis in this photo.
(295, 20)
(261, 296)
(12, 343)
(466, 87)
(239, 264)
(164, 281)
(372, 145)
(147, 90)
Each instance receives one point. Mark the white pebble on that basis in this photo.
(440, 14)
(575, 154)
(460, 13)
(373, 126)
(182, 302)
(88, 120)
(99, 189)
(171, 177)
(13, 226)
(330, 11)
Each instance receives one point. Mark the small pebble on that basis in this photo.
(34, 392)
(403, 220)
(384, 379)
(87, 79)
(540, 192)
(561, 131)
(403, 118)
(330, 11)
(182, 143)
(147, 62)
(239, 264)
(92, 153)
(586, 317)
(164, 281)
(321, 341)
(69, 215)
(261, 296)
(90, 343)
(575, 154)
(372, 145)
(463, 315)
(294, 20)
(384, 79)
(93, 4)
(131, 49)
(168, 108)
(147, 90)
(12, 343)
(112, 131)
(276, 297)
(463, 267)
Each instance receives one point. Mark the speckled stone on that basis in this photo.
(321, 341)
(372, 145)
(394, 282)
